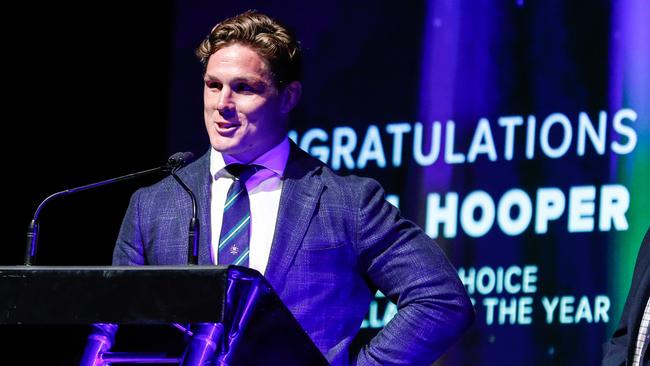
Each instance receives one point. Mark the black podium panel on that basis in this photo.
(245, 320)
(126, 295)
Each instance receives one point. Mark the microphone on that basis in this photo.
(193, 231)
(175, 162)
(179, 160)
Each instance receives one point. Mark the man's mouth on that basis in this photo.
(226, 127)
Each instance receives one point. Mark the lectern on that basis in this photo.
(238, 318)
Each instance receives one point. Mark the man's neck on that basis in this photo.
(274, 159)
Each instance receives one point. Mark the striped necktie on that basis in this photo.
(235, 234)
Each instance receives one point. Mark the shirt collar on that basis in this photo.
(274, 160)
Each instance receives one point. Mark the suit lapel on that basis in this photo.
(301, 190)
(197, 177)
(203, 198)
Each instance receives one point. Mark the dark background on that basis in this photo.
(86, 99)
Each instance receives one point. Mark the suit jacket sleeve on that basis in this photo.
(617, 349)
(413, 271)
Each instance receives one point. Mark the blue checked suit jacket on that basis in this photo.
(336, 242)
(619, 350)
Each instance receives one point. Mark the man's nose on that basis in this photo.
(225, 104)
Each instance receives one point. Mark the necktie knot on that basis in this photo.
(243, 171)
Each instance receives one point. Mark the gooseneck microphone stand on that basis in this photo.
(193, 232)
(174, 162)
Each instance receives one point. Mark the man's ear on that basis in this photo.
(290, 96)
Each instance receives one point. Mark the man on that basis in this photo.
(629, 344)
(326, 243)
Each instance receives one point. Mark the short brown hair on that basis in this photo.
(270, 39)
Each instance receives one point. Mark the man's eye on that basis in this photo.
(214, 85)
(244, 88)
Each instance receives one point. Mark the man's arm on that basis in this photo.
(413, 271)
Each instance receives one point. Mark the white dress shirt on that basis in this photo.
(264, 189)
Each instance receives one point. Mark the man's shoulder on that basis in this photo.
(349, 181)
(330, 177)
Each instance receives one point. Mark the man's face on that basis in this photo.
(244, 112)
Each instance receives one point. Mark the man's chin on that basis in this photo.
(225, 150)
(226, 146)
(234, 151)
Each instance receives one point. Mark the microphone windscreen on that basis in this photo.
(180, 159)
